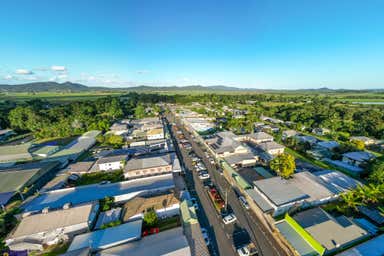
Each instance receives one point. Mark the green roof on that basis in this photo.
(46, 150)
(239, 180)
(188, 213)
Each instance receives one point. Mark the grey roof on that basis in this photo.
(360, 156)
(336, 181)
(328, 144)
(329, 231)
(83, 194)
(106, 238)
(77, 167)
(259, 200)
(5, 131)
(303, 186)
(112, 158)
(372, 213)
(373, 247)
(238, 158)
(270, 145)
(225, 142)
(260, 136)
(45, 222)
(170, 242)
(148, 161)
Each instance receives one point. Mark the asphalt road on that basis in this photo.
(263, 240)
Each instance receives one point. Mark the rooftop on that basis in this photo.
(83, 194)
(15, 152)
(107, 238)
(237, 158)
(148, 161)
(359, 156)
(44, 222)
(260, 136)
(329, 231)
(170, 242)
(373, 247)
(336, 181)
(328, 144)
(79, 167)
(270, 145)
(111, 158)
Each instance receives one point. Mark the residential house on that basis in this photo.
(288, 134)
(306, 139)
(36, 231)
(321, 131)
(112, 162)
(241, 160)
(259, 137)
(366, 140)
(357, 158)
(119, 128)
(272, 148)
(226, 144)
(80, 167)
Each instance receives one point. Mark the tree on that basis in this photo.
(284, 165)
(114, 140)
(139, 111)
(150, 218)
(359, 145)
(377, 174)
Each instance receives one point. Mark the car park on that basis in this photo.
(229, 218)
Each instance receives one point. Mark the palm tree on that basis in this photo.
(351, 200)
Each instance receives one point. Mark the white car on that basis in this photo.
(229, 218)
(204, 175)
(205, 236)
(194, 203)
(244, 202)
(243, 251)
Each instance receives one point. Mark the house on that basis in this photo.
(112, 162)
(119, 128)
(259, 137)
(80, 167)
(366, 140)
(155, 134)
(5, 133)
(329, 233)
(306, 139)
(321, 131)
(270, 119)
(225, 144)
(272, 148)
(170, 242)
(241, 160)
(328, 145)
(323, 149)
(120, 191)
(107, 238)
(373, 247)
(277, 195)
(336, 181)
(165, 205)
(150, 165)
(51, 227)
(24, 179)
(357, 158)
(288, 134)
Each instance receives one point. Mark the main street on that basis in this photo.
(260, 236)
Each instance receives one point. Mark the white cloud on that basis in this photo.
(8, 77)
(141, 72)
(59, 68)
(23, 72)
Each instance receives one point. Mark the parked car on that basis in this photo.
(205, 236)
(244, 202)
(229, 218)
(194, 203)
(208, 183)
(204, 175)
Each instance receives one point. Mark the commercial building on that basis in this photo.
(50, 227)
(10, 155)
(112, 162)
(373, 247)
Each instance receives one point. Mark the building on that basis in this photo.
(373, 247)
(366, 140)
(108, 216)
(10, 155)
(226, 144)
(328, 145)
(170, 242)
(336, 181)
(80, 167)
(107, 238)
(277, 195)
(357, 158)
(272, 148)
(259, 137)
(112, 162)
(50, 227)
(321, 131)
(119, 128)
(288, 134)
(241, 160)
(306, 139)
(120, 191)
(165, 205)
(24, 179)
(331, 233)
(5, 134)
(150, 165)
(155, 134)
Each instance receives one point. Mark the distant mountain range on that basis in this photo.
(76, 87)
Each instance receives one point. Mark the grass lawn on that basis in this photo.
(97, 177)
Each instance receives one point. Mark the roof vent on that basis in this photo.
(45, 210)
(66, 206)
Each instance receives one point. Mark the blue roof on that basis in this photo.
(106, 238)
(373, 247)
(83, 194)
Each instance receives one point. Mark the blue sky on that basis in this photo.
(265, 44)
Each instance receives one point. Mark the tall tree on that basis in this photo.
(284, 165)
